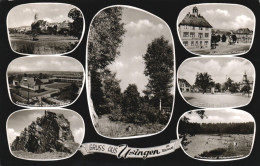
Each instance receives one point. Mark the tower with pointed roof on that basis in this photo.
(195, 31)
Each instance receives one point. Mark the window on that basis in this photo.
(200, 28)
(192, 43)
(185, 43)
(192, 34)
(206, 43)
(201, 43)
(206, 34)
(197, 43)
(200, 35)
(193, 28)
(185, 27)
(185, 34)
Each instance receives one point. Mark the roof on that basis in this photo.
(244, 31)
(28, 80)
(196, 21)
(184, 82)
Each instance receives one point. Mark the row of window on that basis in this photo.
(195, 43)
(192, 34)
(193, 28)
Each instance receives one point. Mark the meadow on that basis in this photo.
(46, 155)
(117, 129)
(44, 45)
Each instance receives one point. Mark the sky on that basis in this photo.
(23, 15)
(223, 16)
(221, 116)
(141, 29)
(45, 63)
(21, 119)
(218, 68)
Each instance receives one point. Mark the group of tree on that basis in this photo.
(215, 128)
(105, 39)
(204, 81)
(232, 38)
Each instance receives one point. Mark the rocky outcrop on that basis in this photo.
(48, 133)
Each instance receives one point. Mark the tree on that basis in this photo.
(203, 81)
(246, 88)
(76, 27)
(131, 99)
(69, 93)
(234, 38)
(218, 86)
(234, 87)
(223, 38)
(112, 91)
(228, 83)
(105, 37)
(158, 61)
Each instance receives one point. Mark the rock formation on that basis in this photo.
(49, 133)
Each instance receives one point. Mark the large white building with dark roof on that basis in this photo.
(195, 31)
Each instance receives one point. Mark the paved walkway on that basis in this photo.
(216, 100)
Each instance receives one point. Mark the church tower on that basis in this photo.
(195, 11)
(245, 78)
(36, 17)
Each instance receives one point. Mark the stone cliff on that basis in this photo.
(49, 133)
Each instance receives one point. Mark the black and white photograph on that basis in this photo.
(40, 134)
(130, 72)
(217, 134)
(216, 29)
(45, 81)
(218, 82)
(45, 28)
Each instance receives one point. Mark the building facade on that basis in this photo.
(244, 35)
(184, 85)
(195, 31)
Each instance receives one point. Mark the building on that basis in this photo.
(244, 35)
(195, 31)
(30, 83)
(76, 78)
(246, 81)
(184, 85)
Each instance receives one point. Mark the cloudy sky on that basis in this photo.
(221, 116)
(21, 119)
(224, 16)
(23, 15)
(45, 63)
(141, 29)
(218, 68)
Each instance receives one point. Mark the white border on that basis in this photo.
(47, 107)
(50, 3)
(220, 160)
(88, 88)
(215, 55)
(42, 109)
(216, 58)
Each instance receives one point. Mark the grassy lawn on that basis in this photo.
(46, 44)
(117, 129)
(58, 85)
(24, 92)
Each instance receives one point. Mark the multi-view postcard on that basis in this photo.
(217, 134)
(216, 82)
(216, 29)
(40, 134)
(131, 72)
(45, 28)
(44, 81)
